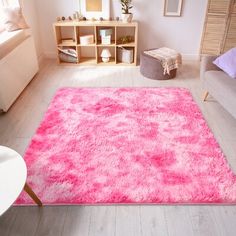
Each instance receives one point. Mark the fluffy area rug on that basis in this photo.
(127, 146)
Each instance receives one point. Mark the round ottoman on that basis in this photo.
(151, 68)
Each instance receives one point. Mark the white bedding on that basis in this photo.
(10, 40)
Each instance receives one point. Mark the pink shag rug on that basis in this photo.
(126, 145)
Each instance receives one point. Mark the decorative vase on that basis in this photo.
(127, 18)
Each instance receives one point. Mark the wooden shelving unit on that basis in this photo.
(90, 54)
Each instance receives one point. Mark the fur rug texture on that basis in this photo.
(127, 146)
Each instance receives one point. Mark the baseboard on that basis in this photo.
(40, 59)
(51, 55)
(190, 57)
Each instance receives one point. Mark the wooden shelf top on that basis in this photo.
(95, 23)
(132, 44)
(86, 45)
(111, 62)
(93, 45)
(113, 44)
(125, 64)
(65, 44)
(87, 60)
(99, 44)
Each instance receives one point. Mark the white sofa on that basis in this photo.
(18, 65)
(217, 83)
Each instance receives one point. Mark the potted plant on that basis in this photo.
(126, 14)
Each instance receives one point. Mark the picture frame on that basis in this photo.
(95, 9)
(173, 7)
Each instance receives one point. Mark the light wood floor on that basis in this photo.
(19, 124)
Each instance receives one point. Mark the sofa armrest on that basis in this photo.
(206, 65)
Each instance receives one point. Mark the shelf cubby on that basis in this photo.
(87, 55)
(65, 33)
(112, 60)
(85, 30)
(122, 63)
(125, 32)
(60, 60)
(113, 36)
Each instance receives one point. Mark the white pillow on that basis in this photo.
(13, 19)
(1, 21)
(2, 28)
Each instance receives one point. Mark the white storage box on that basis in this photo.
(87, 39)
(105, 32)
(106, 40)
(126, 55)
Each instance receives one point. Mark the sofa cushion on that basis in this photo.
(227, 62)
(10, 40)
(223, 88)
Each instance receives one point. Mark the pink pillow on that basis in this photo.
(227, 62)
(14, 19)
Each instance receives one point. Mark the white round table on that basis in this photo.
(13, 173)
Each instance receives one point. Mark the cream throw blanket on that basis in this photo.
(169, 58)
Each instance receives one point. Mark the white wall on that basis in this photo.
(180, 33)
(48, 11)
(30, 13)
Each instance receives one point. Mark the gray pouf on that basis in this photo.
(151, 68)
